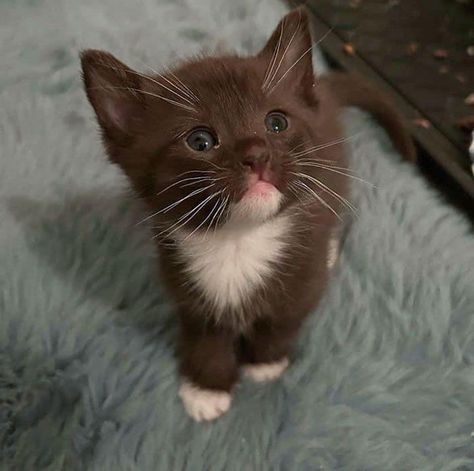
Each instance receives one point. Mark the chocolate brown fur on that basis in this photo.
(145, 136)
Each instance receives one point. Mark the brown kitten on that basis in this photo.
(239, 159)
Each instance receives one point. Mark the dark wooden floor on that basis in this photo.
(419, 52)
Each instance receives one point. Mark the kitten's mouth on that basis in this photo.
(260, 185)
(261, 182)
(261, 199)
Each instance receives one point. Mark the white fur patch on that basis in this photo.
(204, 404)
(262, 372)
(333, 252)
(230, 264)
(257, 207)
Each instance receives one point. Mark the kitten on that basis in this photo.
(241, 163)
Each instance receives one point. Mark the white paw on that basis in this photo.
(262, 372)
(204, 404)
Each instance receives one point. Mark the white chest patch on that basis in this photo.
(230, 264)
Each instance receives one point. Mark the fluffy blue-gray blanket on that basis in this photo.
(383, 377)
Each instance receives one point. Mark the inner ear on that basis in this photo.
(288, 53)
(114, 91)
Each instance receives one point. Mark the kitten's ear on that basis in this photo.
(288, 52)
(114, 92)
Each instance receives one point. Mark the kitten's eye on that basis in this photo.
(201, 140)
(276, 122)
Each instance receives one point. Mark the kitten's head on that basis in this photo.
(216, 138)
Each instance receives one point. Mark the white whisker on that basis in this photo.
(325, 146)
(137, 90)
(151, 79)
(208, 162)
(328, 163)
(284, 53)
(179, 91)
(333, 193)
(222, 212)
(211, 222)
(192, 179)
(299, 59)
(318, 197)
(273, 58)
(189, 215)
(296, 147)
(190, 93)
(190, 195)
(203, 179)
(337, 170)
(167, 188)
(207, 217)
(294, 191)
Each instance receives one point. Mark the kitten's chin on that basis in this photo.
(261, 202)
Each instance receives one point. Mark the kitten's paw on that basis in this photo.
(204, 404)
(261, 372)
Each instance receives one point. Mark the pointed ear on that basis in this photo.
(288, 52)
(113, 90)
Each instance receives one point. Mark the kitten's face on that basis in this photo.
(216, 139)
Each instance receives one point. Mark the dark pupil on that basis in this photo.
(277, 124)
(201, 141)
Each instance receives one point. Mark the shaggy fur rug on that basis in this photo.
(383, 377)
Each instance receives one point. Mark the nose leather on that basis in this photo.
(256, 157)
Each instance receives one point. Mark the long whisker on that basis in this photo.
(161, 97)
(185, 89)
(324, 146)
(284, 53)
(294, 190)
(176, 223)
(190, 195)
(338, 171)
(191, 215)
(222, 212)
(201, 180)
(198, 180)
(296, 147)
(318, 197)
(183, 93)
(190, 93)
(176, 203)
(201, 174)
(197, 171)
(208, 162)
(207, 217)
(333, 193)
(320, 184)
(151, 79)
(194, 180)
(327, 163)
(219, 209)
(273, 59)
(299, 59)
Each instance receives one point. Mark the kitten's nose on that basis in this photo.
(256, 158)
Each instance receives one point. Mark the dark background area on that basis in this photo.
(421, 52)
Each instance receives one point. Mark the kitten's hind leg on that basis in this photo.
(264, 352)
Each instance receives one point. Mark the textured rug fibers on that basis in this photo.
(383, 377)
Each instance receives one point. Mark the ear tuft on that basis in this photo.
(288, 52)
(113, 90)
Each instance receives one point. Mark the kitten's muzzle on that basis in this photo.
(257, 161)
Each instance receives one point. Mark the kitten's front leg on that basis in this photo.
(209, 368)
